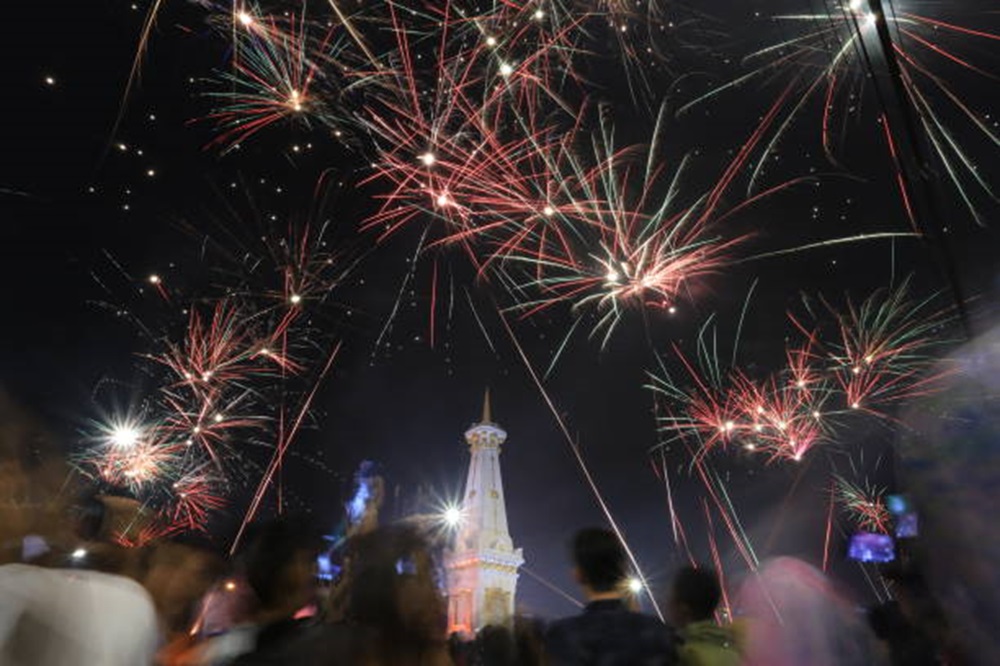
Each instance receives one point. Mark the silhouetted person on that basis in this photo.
(794, 615)
(279, 565)
(56, 615)
(905, 644)
(606, 632)
(695, 596)
(395, 614)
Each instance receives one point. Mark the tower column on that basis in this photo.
(483, 563)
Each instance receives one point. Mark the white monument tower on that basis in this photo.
(482, 567)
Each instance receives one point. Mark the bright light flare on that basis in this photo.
(124, 436)
(452, 516)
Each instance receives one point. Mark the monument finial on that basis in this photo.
(487, 411)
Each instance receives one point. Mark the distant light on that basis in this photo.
(154, 279)
(506, 69)
(218, 418)
(491, 41)
(539, 14)
(672, 310)
(452, 516)
(230, 586)
(150, 172)
(634, 585)
(442, 200)
(245, 19)
(125, 436)
(855, 405)
(79, 554)
(295, 299)
(50, 81)
(549, 211)
(428, 159)
(816, 415)
(122, 147)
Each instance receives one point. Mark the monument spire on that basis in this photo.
(487, 412)
(482, 565)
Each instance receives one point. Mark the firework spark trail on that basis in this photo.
(581, 463)
(829, 529)
(878, 356)
(865, 505)
(717, 561)
(676, 526)
(276, 70)
(841, 51)
(177, 449)
(281, 448)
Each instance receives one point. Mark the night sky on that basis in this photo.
(89, 209)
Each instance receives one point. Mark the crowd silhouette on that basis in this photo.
(77, 586)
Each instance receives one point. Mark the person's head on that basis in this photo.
(695, 595)
(279, 564)
(598, 561)
(36, 483)
(392, 586)
(177, 574)
(793, 614)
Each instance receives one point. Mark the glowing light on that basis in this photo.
(442, 200)
(295, 100)
(539, 14)
(750, 446)
(548, 211)
(491, 41)
(154, 279)
(816, 415)
(295, 299)
(124, 436)
(729, 426)
(452, 516)
(855, 405)
(672, 310)
(79, 554)
(218, 418)
(506, 69)
(856, 370)
(428, 159)
(150, 172)
(230, 586)
(245, 19)
(856, 5)
(634, 585)
(50, 81)
(612, 276)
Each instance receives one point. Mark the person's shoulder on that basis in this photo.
(564, 625)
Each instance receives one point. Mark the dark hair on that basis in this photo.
(698, 589)
(600, 557)
(271, 547)
(378, 559)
